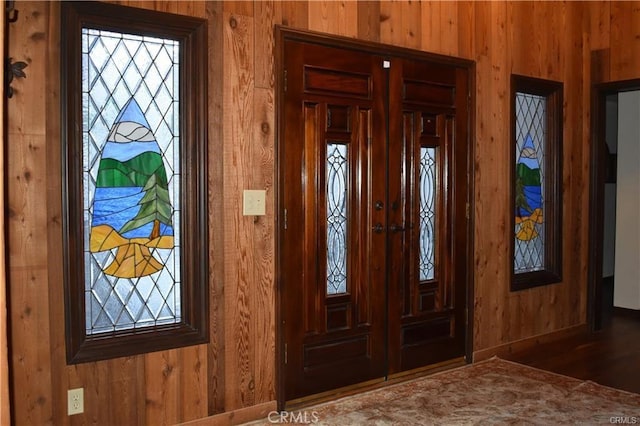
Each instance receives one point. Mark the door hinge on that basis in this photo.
(285, 354)
(285, 80)
(468, 211)
(285, 219)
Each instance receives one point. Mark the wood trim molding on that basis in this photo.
(236, 417)
(530, 342)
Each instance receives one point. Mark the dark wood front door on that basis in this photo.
(372, 207)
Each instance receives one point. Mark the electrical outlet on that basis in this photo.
(254, 202)
(75, 401)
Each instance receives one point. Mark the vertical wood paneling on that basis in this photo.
(336, 17)
(400, 24)
(492, 233)
(5, 412)
(466, 29)
(161, 378)
(238, 239)
(625, 40)
(263, 296)
(237, 368)
(268, 13)
(599, 15)
(27, 223)
(215, 353)
(295, 14)
(440, 30)
(369, 20)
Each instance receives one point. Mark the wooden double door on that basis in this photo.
(373, 215)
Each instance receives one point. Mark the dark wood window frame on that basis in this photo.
(552, 269)
(192, 36)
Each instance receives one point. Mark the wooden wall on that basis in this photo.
(5, 413)
(237, 368)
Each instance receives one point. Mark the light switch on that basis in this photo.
(254, 202)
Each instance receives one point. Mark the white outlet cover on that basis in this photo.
(254, 202)
(75, 401)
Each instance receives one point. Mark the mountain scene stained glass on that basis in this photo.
(529, 197)
(131, 190)
(131, 206)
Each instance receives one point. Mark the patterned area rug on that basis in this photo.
(492, 392)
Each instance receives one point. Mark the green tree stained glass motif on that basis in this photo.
(131, 180)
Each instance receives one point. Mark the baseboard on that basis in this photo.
(627, 313)
(235, 417)
(530, 342)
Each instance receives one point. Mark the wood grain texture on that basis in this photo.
(268, 13)
(625, 40)
(236, 369)
(400, 24)
(492, 276)
(263, 291)
(369, 20)
(334, 17)
(5, 407)
(239, 250)
(215, 353)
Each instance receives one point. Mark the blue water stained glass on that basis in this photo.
(131, 184)
(529, 184)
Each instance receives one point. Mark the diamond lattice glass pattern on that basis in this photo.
(529, 209)
(427, 213)
(131, 191)
(336, 218)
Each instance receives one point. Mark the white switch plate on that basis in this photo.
(254, 202)
(75, 401)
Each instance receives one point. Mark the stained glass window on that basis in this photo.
(529, 199)
(427, 212)
(131, 167)
(136, 256)
(336, 176)
(537, 179)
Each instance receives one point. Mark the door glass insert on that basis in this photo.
(337, 175)
(427, 213)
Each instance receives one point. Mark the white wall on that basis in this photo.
(627, 250)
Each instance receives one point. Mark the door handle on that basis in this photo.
(396, 228)
(378, 228)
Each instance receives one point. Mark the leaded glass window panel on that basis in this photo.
(134, 187)
(536, 185)
(336, 177)
(130, 104)
(427, 212)
(529, 185)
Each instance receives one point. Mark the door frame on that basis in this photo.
(599, 94)
(282, 34)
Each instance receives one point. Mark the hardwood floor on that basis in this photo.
(610, 357)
